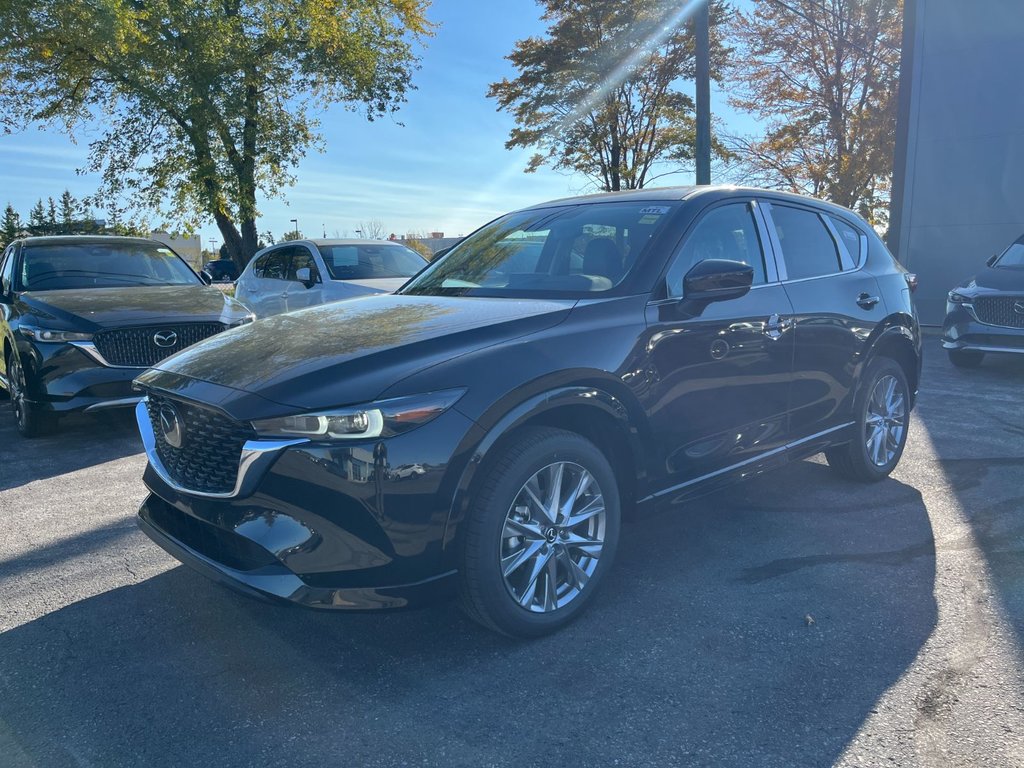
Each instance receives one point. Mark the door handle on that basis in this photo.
(777, 326)
(866, 301)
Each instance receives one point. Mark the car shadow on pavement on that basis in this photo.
(975, 419)
(757, 626)
(80, 441)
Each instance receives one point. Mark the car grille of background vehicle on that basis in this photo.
(211, 446)
(138, 347)
(998, 310)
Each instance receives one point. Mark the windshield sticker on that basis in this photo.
(649, 219)
(653, 210)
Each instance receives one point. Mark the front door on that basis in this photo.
(716, 376)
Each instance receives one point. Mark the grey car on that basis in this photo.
(303, 273)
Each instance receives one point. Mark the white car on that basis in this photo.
(303, 273)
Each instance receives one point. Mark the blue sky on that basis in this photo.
(444, 168)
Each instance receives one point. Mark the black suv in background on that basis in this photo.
(222, 270)
(986, 313)
(80, 317)
(482, 431)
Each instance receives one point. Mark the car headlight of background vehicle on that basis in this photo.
(956, 297)
(55, 336)
(380, 419)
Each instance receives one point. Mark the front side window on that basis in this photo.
(7, 268)
(72, 266)
(727, 232)
(571, 252)
(276, 265)
(807, 246)
(370, 262)
(302, 259)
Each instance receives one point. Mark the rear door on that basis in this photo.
(836, 305)
(268, 287)
(717, 375)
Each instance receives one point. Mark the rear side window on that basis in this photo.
(727, 232)
(273, 266)
(807, 246)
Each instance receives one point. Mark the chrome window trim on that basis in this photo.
(255, 459)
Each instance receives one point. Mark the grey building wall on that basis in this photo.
(958, 182)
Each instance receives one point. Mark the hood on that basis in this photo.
(349, 352)
(999, 279)
(120, 307)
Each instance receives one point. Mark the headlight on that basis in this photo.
(45, 334)
(381, 419)
(244, 321)
(958, 298)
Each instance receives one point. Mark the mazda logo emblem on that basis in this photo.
(1018, 307)
(170, 425)
(165, 338)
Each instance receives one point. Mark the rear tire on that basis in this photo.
(883, 421)
(540, 535)
(32, 422)
(965, 358)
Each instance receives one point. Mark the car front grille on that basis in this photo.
(999, 310)
(211, 444)
(140, 346)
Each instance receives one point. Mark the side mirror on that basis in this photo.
(305, 276)
(992, 260)
(206, 277)
(717, 280)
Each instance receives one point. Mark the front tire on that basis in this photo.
(883, 420)
(541, 534)
(31, 421)
(965, 358)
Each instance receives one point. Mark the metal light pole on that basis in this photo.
(702, 28)
(296, 223)
(213, 247)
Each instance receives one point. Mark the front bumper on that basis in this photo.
(962, 330)
(65, 378)
(354, 527)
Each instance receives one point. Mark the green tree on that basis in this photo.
(823, 76)
(205, 103)
(51, 214)
(69, 212)
(37, 218)
(598, 94)
(11, 224)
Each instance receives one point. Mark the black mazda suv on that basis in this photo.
(985, 315)
(81, 317)
(481, 432)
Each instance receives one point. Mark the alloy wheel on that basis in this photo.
(885, 421)
(16, 380)
(553, 537)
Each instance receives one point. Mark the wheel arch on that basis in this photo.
(585, 409)
(898, 342)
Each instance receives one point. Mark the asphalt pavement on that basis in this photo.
(794, 620)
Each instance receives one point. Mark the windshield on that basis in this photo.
(73, 266)
(575, 251)
(370, 262)
(1012, 257)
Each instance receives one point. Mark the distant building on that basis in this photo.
(189, 248)
(958, 176)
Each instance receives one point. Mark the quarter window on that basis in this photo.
(727, 232)
(807, 247)
(7, 269)
(850, 237)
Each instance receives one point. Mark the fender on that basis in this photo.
(900, 327)
(579, 395)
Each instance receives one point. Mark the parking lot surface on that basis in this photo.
(796, 619)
